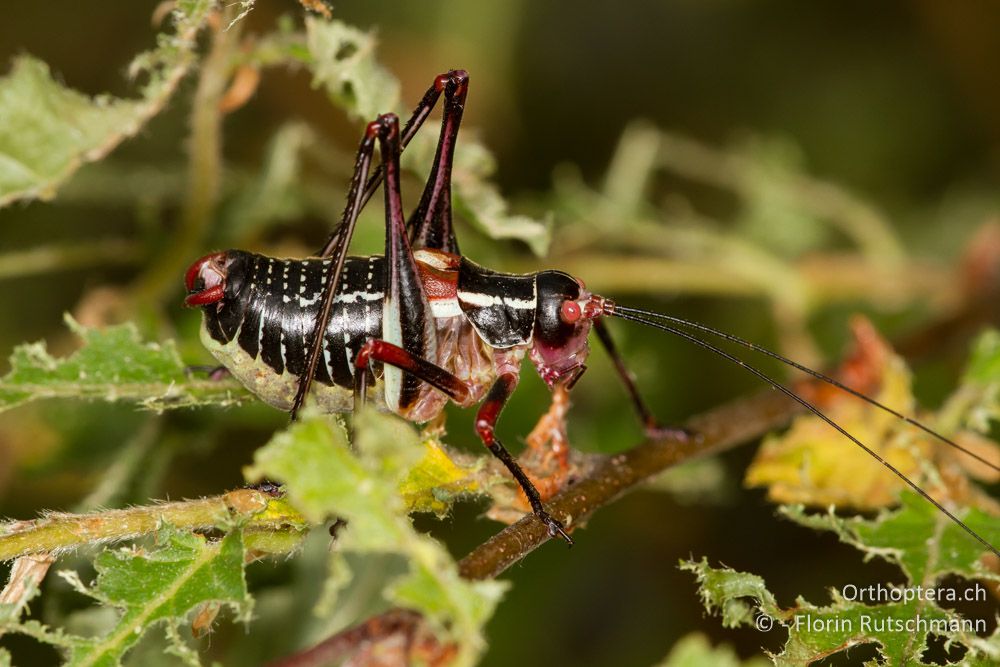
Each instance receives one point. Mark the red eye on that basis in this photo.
(569, 312)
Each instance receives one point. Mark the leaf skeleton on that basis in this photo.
(422, 325)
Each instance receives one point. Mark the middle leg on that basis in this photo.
(457, 390)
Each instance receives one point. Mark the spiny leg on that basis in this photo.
(650, 424)
(355, 200)
(430, 225)
(486, 420)
(442, 83)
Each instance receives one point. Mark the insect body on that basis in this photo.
(483, 324)
(421, 325)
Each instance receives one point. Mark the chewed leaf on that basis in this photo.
(344, 63)
(113, 364)
(814, 464)
(324, 478)
(49, 130)
(164, 585)
(918, 537)
(900, 629)
(150, 587)
(729, 592)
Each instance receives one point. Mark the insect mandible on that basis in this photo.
(421, 325)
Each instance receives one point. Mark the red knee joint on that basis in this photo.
(388, 125)
(485, 430)
(486, 420)
(461, 79)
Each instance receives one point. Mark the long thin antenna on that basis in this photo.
(620, 312)
(808, 371)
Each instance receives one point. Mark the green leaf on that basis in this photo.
(113, 364)
(344, 63)
(325, 479)
(49, 130)
(899, 629)
(728, 591)
(984, 364)
(162, 585)
(917, 537)
(976, 403)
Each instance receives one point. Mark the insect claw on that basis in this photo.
(266, 486)
(554, 526)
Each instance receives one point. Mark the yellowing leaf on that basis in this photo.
(813, 464)
(434, 483)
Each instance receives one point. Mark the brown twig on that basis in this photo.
(394, 637)
(717, 430)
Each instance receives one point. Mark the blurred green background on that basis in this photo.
(895, 106)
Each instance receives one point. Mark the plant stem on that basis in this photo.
(58, 533)
(717, 430)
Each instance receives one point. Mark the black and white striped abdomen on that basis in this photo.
(260, 331)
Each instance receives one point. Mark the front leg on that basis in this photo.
(486, 421)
